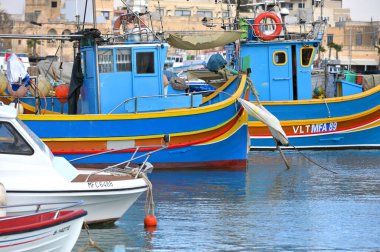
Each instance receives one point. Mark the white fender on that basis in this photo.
(264, 116)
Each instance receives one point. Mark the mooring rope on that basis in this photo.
(312, 161)
(149, 203)
(91, 242)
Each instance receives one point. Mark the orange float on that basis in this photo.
(150, 221)
(61, 92)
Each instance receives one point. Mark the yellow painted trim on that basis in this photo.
(221, 88)
(326, 100)
(320, 120)
(159, 114)
(310, 60)
(237, 126)
(90, 139)
(286, 58)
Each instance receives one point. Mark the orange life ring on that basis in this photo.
(130, 20)
(260, 33)
(117, 24)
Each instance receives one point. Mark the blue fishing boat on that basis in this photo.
(279, 63)
(121, 105)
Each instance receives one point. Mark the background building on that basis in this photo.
(356, 38)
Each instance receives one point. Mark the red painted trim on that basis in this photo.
(38, 221)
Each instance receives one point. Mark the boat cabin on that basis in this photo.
(129, 79)
(280, 70)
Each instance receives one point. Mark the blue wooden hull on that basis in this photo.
(214, 135)
(343, 122)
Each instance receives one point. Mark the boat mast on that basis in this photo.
(96, 58)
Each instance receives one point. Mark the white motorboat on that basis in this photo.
(31, 173)
(56, 229)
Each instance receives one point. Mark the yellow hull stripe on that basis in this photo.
(169, 113)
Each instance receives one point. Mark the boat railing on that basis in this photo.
(145, 166)
(290, 30)
(137, 98)
(38, 206)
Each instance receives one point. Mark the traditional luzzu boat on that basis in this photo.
(279, 64)
(30, 173)
(120, 99)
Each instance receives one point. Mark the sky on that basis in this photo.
(361, 10)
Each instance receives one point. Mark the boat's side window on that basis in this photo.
(105, 61)
(123, 60)
(279, 58)
(306, 56)
(145, 62)
(11, 142)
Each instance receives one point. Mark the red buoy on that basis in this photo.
(61, 92)
(150, 221)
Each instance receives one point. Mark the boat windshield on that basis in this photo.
(11, 142)
(35, 138)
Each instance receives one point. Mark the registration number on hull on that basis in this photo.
(315, 128)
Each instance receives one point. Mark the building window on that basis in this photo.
(66, 32)
(160, 12)
(359, 39)
(105, 59)
(279, 58)
(204, 13)
(106, 14)
(11, 142)
(301, 5)
(123, 60)
(225, 14)
(306, 56)
(182, 13)
(289, 6)
(145, 62)
(54, 4)
(330, 38)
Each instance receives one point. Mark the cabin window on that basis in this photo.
(123, 60)
(306, 56)
(145, 62)
(105, 59)
(11, 142)
(279, 58)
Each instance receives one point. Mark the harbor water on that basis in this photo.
(263, 208)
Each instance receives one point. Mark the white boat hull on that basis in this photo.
(58, 238)
(102, 206)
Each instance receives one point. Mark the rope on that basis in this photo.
(312, 161)
(91, 242)
(149, 203)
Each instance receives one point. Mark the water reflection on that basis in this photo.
(266, 207)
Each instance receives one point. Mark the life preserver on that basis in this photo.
(260, 33)
(130, 20)
(117, 24)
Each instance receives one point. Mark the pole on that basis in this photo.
(94, 13)
(350, 51)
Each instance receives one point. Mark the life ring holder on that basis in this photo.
(259, 33)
